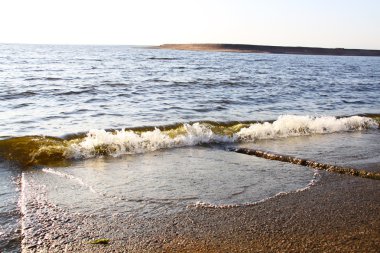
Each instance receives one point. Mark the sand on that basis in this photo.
(338, 214)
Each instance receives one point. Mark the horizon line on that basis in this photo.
(157, 45)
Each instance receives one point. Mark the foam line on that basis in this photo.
(101, 142)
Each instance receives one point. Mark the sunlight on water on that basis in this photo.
(109, 130)
(56, 90)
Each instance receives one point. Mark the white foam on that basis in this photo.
(68, 176)
(101, 142)
(201, 204)
(291, 125)
(129, 142)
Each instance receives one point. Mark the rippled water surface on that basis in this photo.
(54, 90)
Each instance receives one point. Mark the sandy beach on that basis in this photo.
(339, 213)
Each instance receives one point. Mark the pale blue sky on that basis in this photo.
(321, 23)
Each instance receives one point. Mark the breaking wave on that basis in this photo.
(41, 150)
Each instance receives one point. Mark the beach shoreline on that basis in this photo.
(245, 48)
(339, 213)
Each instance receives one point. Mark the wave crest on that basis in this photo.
(291, 125)
(100, 142)
(39, 150)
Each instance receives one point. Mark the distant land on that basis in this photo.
(244, 48)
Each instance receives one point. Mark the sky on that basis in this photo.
(317, 23)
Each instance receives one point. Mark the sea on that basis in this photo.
(105, 130)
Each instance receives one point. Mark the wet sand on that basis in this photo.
(338, 214)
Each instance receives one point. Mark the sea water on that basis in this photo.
(140, 131)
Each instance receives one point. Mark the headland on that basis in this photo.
(245, 48)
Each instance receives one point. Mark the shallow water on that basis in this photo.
(171, 117)
(349, 149)
(167, 181)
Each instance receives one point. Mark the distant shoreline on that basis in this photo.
(245, 48)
